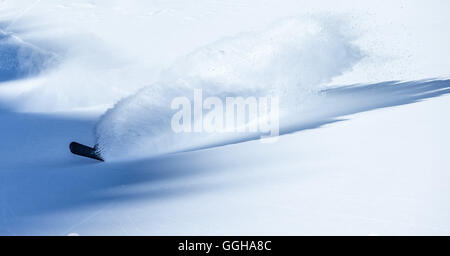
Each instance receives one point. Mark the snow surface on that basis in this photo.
(364, 147)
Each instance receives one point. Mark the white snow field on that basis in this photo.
(364, 145)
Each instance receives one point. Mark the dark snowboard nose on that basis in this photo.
(83, 150)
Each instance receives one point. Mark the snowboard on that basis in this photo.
(83, 150)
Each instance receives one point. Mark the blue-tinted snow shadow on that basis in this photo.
(40, 176)
(347, 100)
(332, 104)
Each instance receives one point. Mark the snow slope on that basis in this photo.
(367, 151)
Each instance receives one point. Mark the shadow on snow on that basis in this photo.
(38, 174)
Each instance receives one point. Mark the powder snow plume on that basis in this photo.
(291, 60)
